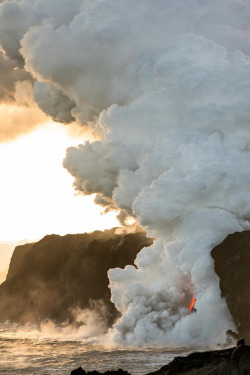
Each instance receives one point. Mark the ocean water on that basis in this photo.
(27, 351)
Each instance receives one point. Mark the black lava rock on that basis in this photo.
(80, 371)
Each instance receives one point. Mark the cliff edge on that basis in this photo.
(52, 277)
(232, 265)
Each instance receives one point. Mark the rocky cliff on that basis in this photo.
(50, 278)
(216, 362)
(232, 265)
(17, 259)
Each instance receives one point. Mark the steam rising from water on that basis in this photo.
(165, 86)
(89, 327)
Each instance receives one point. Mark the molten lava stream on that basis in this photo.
(192, 304)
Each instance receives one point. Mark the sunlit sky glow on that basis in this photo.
(36, 192)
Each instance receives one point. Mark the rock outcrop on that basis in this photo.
(17, 259)
(216, 362)
(50, 278)
(80, 371)
(232, 265)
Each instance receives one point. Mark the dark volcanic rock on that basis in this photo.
(230, 361)
(17, 259)
(216, 362)
(49, 278)
(80, 371)
(232, 265)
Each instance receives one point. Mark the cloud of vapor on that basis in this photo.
(101, 56)
(10, 74)
(18, 120)
(89, 325)
(16, 17)
(53, 102)
(165, 85)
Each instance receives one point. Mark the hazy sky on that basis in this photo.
(36, 192)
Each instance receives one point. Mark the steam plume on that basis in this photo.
(16, 17)
(165, 85)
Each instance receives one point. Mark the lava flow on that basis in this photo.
(191, 307)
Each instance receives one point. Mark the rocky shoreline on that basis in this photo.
(80, 371)
(216, 362)
(211, 362)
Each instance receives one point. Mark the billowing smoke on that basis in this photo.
(16, 18)
(165, 87)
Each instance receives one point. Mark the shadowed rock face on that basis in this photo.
(232, 265)
(80, 371)
(216, 362)
(17, 259)
(49, 278)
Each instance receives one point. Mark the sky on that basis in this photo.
(37, 196)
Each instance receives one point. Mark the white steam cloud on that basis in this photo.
(165, 86)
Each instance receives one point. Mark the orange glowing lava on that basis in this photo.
(192, 304)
